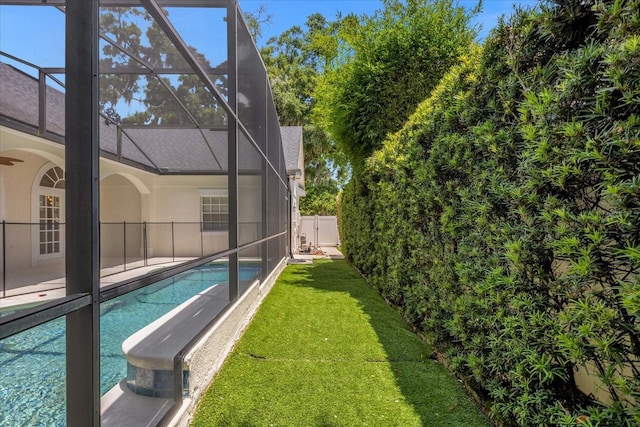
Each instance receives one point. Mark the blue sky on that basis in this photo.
(287, 13)
(36, 34)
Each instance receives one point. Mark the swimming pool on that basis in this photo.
(32, 363)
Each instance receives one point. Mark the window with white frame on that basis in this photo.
(50, 202)
(214, 208)
(49, 210)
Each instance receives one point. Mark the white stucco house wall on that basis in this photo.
(177, 215)
(292, 142)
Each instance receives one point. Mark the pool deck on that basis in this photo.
(46, 290)
(55, 288)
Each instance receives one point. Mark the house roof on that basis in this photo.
(19, 100)
(292, 146)
(161, 149)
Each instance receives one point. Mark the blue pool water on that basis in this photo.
(32, 363)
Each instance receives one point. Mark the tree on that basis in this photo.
(320, 200)
(124, 28)
(256, 20)
(383, 67)
(294, 63)
(294, 60)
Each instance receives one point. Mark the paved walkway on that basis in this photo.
(330, 252)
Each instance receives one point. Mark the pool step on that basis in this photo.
(122, 407)
(150, 352)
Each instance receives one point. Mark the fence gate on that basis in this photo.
(319, 231)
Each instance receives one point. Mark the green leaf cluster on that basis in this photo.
(294, 61)
(134, 32)
(385, 65)
(320, 200)
(504, 217)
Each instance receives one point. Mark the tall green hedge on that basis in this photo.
(410, 43)
(504, 218)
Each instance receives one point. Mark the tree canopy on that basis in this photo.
(136, 39)
(294, 61)
(385, 65)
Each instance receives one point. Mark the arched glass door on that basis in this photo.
(50, 202)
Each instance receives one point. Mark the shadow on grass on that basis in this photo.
(433, 392)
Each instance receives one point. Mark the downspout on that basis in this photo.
(292, 177)
(290, 225)
(291, 180)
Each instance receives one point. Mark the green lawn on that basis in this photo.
(325, 350)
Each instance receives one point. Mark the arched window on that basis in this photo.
(48, 200)
(53, 178)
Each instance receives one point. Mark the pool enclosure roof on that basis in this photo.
(165, 96)
(170, 87)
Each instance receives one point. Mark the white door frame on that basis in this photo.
(36, 192)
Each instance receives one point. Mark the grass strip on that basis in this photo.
(325, 350)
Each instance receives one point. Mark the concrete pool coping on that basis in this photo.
(122, 407)
(155, 345)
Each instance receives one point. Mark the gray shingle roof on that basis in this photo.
(19, 99)
(165, 149)
(292, 146)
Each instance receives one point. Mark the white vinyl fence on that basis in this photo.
(319, 231)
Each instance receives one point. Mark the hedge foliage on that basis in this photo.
(411, 43)
(504, 218)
